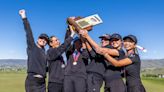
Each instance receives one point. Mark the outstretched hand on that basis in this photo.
(73, 17)
(22, 13)
(83, 33)
(72, 30)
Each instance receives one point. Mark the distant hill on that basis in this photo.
(152, 63)
(146, 64)
(13, 63)
(152, 66)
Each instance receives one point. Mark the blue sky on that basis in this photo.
(143, 18)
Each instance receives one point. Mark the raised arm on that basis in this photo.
(69, 29)
(91, 51)
(29, 34)
(85, 53)
(84, 33)
(118, 63)
(69, 50)
(68, 32)
(53, 53)
(112, 52)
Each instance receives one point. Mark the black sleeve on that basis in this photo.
(69, 51)
(53, 53)
(68, 33)
(121, 54)
(85, 54)
(92, 54)
(29, 34)
(96, 56)
(134, 58)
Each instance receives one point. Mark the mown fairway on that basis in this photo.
(14, 82)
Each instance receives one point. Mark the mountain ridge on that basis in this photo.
(145, 63)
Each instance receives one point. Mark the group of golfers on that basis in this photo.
(79, 64)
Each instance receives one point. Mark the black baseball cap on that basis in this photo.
(106, 36)
(44, 36)
(116, 36)
(132, 37)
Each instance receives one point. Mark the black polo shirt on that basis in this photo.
(113, 72)
(133, 71)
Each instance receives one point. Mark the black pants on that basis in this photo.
(138, 88)
(33, 84)
(116, 85)
(74, 84)
(94, 82)
(55, 87)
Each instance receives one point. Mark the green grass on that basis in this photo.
(14, 82)
(153, 84)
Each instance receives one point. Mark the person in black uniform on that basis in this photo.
(112, 75)
(36, 65)
(132, 65)
(96, 68)
(75, 71)
(56, 64)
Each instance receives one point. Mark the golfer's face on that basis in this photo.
(42, 42)
(129, 44)
(104, 42)
(116, 43)
(54, 42)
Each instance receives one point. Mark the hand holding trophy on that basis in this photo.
(72, 30)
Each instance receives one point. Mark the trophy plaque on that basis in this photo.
(87, 23)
